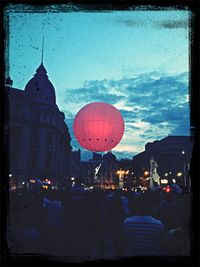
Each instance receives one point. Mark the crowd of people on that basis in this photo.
(96, 224)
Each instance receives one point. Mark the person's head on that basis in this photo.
(78, 181)
(139, 190)
(143, 205)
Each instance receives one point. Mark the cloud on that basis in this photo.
(173, 24)
(124, 154)
(153, 105)
(179, 23)
(130, 22)
(93, 91)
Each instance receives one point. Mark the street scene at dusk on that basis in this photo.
(98, 133)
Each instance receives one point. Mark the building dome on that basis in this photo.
(40, 89)
(109, 157)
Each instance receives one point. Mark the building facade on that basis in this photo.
(172, 154)
(75, 164)
(107, 174)
(39, 140)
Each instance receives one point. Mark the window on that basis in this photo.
(15, 134)
(49, 139)
(48, 160)
(13, 158)
(37, 115)
(33, 158)
(36, 137)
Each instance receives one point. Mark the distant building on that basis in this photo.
(88, 168)
(172, 154)
(39, 140)
(107, 174)
(125, 170)
(75, 164)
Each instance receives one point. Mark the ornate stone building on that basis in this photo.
(173, 156)
(39, 140)
(107, 174)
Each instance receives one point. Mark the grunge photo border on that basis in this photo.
(90, 6)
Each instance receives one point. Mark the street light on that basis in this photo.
(121, 176)
(184, 171)
(164, 181)
(146, 173)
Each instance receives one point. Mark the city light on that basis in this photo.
(121, 177)
(164, 181)
(179, 174)
(46, 181)
(120, 172)
(183, 152)
(166, 174)
(10, 175)
(167, 189)
(146, 173)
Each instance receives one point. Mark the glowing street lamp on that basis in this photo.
(120, 173)
(184, 169)
(121, 176)
(164, 181)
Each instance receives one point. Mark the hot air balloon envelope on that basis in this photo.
(98, 126)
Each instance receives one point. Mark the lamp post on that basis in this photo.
(121, 177)
(184, 169)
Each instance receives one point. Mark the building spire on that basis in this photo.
(42, 50)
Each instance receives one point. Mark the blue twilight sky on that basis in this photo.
(137, 61)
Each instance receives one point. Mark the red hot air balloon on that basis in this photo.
(98, 126)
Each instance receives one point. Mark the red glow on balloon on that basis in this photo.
(98, 126)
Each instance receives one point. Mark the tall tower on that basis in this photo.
(39, 89)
